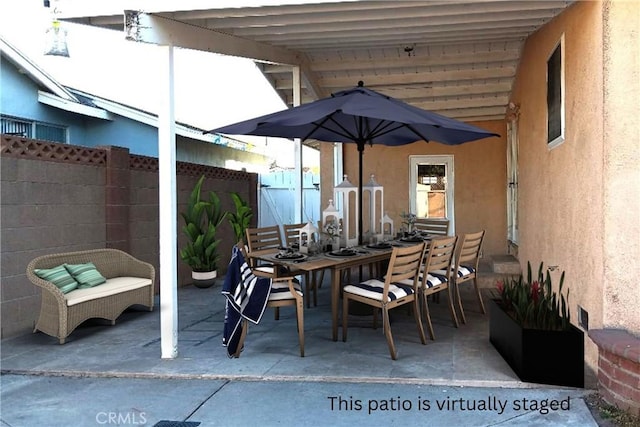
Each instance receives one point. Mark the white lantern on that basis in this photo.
(342, 194)
(330, 214)
(387, 227)
(375, 215)
(308, 238)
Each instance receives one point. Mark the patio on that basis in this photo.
(461, 356)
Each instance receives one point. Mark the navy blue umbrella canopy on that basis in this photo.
(361, 116)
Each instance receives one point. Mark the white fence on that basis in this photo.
(277, 198)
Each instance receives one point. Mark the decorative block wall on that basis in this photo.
(63, 198)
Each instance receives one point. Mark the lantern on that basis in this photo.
(342, 194)
(376, 207)
(308, 238)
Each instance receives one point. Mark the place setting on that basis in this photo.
(290, 254)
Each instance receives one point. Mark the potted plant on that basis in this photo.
(530, 326)
(241, 219)
(201, 219)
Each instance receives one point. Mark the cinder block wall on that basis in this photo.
(62, 198)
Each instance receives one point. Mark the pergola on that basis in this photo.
(454, 57)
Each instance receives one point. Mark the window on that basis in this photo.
(431, 187)
(32, 129)
(555, 97)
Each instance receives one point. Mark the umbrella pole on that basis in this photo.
(360, 152)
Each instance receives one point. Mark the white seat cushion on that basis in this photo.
(373, 289)
(110, 287)
(280, 290)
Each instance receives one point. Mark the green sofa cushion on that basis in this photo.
(59, 276)
(86, 274)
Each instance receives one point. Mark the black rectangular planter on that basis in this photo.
(537, 356)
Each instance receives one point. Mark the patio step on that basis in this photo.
(496, 267)
(505, 264)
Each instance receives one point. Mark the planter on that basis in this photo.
(204, 279)
(538, 356)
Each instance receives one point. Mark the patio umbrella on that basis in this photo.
(361, 116)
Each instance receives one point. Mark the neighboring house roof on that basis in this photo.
(55, 94)
(65, 98)
(151, 119)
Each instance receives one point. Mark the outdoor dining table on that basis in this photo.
(362, 255)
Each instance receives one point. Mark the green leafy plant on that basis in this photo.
(241, 219)
(201, 219)
(533, 303)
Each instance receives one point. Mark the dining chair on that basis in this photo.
(291, 236)
(398, 287)
(265, 239)
(285, 291)
(262, 239)
(436, 227)
(435, 276)
(465, 267)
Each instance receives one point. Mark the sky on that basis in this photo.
(210, 90)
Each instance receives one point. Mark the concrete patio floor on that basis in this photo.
(461, 358)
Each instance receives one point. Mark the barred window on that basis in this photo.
(33, 129)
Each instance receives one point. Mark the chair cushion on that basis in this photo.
(280, 290)
(435, 279)
(59, 276)
(373, 288)
(87, 274)
(465, 270)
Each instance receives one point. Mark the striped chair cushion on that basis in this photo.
(465, 270)
(270, 269)
(435, 278)
(280, 290)
(373, 288)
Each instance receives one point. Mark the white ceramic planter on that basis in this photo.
(204, 279)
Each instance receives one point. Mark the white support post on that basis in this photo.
(297, 99)
(168, 207)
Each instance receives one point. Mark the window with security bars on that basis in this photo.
(33, 129)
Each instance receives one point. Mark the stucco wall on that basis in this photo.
(578, 202)
(621, 152)
(480, 180)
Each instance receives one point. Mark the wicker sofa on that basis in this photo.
(129, 282)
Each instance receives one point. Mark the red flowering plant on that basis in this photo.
(533, 303)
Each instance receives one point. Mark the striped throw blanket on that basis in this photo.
(246, 298)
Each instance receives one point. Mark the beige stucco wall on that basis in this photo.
(480, 180)
(578, 202)
(621, 155)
